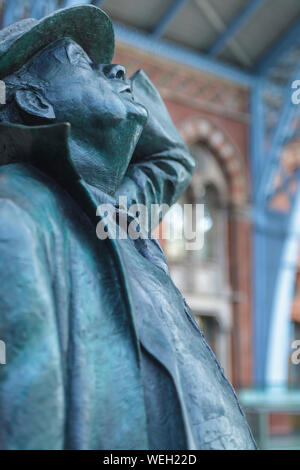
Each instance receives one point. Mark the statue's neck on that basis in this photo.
(92, 166)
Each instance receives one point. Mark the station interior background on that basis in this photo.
(225, 70)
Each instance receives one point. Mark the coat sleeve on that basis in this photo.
(162, 166)
(31, 386)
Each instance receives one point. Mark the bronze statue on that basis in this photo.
(102, 351)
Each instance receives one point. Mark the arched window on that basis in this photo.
(209, 188)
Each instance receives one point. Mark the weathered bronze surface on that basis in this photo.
(102, 350)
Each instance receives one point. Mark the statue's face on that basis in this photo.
(96, 99)
(82, 92)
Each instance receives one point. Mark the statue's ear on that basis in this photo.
(34, 104)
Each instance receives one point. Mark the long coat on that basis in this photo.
(102, 350)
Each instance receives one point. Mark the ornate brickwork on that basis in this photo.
(194, 88)
(202, 130)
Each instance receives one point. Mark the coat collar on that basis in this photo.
(47, 148)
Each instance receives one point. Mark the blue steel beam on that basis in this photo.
(279, 338)
(281, 134)
(183, 55)
(273, 280)
(238, 22)
(286, 41)
(167, 18)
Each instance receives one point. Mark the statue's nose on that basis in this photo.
(115, 71)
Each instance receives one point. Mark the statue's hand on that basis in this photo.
(159, 134)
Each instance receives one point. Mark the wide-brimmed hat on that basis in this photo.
(87, 25)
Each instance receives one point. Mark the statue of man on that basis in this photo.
(102, 351)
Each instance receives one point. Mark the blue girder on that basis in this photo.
(168, 17)
(238, 22)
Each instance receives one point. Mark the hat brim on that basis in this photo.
(87, 25)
